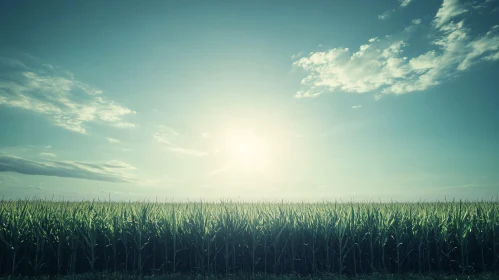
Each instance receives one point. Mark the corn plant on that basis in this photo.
(47, 237)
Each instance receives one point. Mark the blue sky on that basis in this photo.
(294, 100)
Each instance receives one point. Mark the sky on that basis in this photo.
(249, 100)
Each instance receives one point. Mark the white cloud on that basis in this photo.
(417, 21)
(385, 15)
(424, 61)
(297, 55)
(112, 140)
(165, 135)
(168, 136)
(487, 44)
(380, 65)
(357, 106)
(449, 10)
(52, 155)
(404, 3)
(116, 164)
(65, 101)
(481, 4)
(367, 69)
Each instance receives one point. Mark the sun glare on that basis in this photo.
(249, 150)
(246, 149)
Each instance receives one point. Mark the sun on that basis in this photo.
(247, 149)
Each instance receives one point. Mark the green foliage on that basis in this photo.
(45, 237)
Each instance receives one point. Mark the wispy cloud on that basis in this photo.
(110, 172)
(404, 3)
(417, 21)
(449, 10)
(116, 164)
(483, 4)
(112, 140)
(297, 55)
(387, 14)
(357, 106)
(65, 101)
(165, 135)
(51, 155)
(169, 137)
(380, 65)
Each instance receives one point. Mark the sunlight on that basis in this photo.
(246, 149)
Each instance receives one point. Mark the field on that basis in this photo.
(259, 277)
(145, 238)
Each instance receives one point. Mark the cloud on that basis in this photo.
(385, 15)
(112, 140)
(416, 21)
(381, 66)
(52, 155)
(449, 9)
(56, 94)
(169, 137)
(404, 3)
(357, 106)
(108, 172)
(116, 164)
(485, 47)
(165, 134)
(374, 65)
(297, 55)
(482, 4)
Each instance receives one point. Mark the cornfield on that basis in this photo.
(46, 237)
